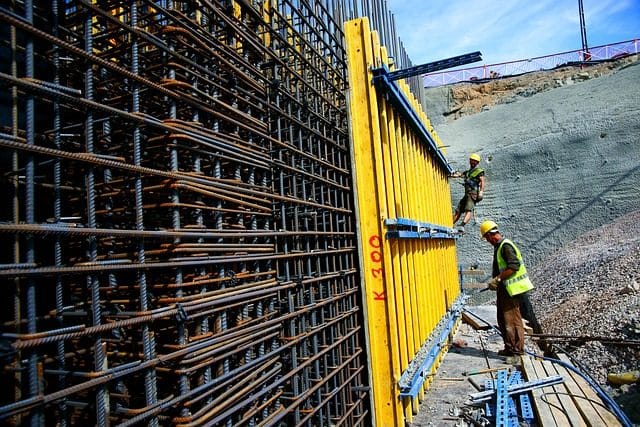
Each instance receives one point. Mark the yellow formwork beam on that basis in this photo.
(405, 170)
(396, 202)
(408, 284)
(382, 331)
(266, 16)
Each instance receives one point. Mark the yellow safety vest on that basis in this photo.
(518, 282)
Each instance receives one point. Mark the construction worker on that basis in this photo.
(474, 183)
(510, 280)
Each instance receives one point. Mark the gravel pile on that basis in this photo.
(591, 287)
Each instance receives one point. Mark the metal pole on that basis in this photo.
(586, 56)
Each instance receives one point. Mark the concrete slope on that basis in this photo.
(558, 163)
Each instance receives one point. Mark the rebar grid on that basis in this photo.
(177, 213)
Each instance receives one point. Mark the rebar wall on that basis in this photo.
(177, 228)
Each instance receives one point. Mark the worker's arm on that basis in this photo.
(504, 275)
(481, 188)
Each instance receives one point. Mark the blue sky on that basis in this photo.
(506, 30)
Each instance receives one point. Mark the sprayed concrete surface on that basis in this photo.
(558, 163)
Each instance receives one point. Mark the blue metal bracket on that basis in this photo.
(404, 228)
(515, 378)
(418, 370)
(526, 408)
(518, 388)
(501, 396)
(512, 418)
(393, 94)
(488, 406)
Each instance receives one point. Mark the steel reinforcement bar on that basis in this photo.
(178, 229)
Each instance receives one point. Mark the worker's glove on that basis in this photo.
(493, 283)
(480, 196)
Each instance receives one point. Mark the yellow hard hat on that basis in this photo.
(474, 156)
(487, 226)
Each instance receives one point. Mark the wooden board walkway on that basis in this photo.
(573, 403)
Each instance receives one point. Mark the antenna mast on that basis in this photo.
(586, 56)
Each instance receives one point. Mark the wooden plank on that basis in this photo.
(469, 320)
(575, 418)
(608, 418)
(584, 405)
(550, 397)
(543, 412)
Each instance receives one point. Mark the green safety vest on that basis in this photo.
(518, 283)
(472, 179)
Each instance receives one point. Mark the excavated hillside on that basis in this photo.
(558, 163)
(448, 103)
(591, 288)
(561, 150)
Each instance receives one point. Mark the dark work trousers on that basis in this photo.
(510, 321)
(527, 313)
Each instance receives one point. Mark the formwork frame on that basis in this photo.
(410, 284)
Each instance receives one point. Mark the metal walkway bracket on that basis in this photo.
(420, 368)
(432, 67)
(505, 409)
(393, 94)
(405, 228)
(502, 399)
(518, 388)
(384, 80)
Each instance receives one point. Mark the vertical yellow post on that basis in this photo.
(266, 16)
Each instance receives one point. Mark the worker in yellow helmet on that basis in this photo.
(474, 183)
(512, 284)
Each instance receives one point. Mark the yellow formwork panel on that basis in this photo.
(405, 170)
(377, 272)
(397, 202)
(409, 284)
